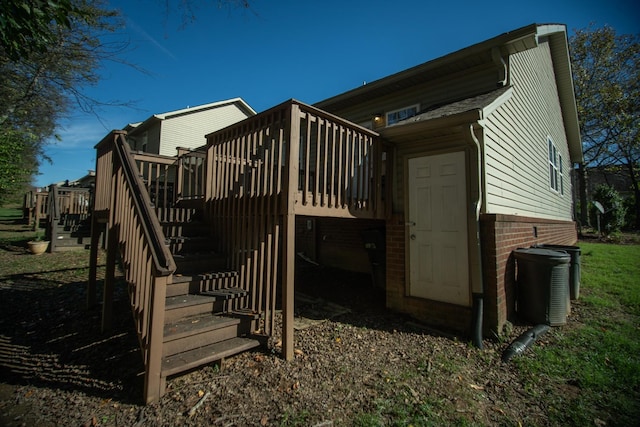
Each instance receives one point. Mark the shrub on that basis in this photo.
(630, 217)
(614, 209)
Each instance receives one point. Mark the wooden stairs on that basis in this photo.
(70, 232)
(205, 318)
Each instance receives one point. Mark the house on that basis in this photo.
(164, 133)
(453, 163)
(484, 142)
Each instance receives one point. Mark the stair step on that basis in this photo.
(177, 228)
(193, 263)
(182, 285)
(188, 244)
(198, 331)
(177, 307)
(179, 215)
(193, 284)
(203, 355)
(225, 274)
(226, 293)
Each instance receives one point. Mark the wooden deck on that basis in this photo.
(206, 240)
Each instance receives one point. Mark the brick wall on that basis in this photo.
(335, 242)
(501, 235)
(443, 315)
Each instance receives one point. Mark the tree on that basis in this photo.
(26, 25)
(18, 162)
(612, 219)
(50, 51)
(606, 74)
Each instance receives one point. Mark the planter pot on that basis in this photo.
(39, 247)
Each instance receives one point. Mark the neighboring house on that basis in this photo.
(173, 133)
(485, 139)
(85, 181)
(164, 133)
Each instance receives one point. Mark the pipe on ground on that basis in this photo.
(523, 342)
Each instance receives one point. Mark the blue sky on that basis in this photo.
(306, 49)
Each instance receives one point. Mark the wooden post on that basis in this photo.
(288, 278)
(289, 234)
(109, 280)
(92, 297)
(113, 234)
(178, 191)
(155, 383)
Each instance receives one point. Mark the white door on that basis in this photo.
(437, 228)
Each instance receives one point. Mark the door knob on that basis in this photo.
(413, 237)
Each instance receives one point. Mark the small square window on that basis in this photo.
(396, 116)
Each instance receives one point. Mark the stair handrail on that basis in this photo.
(163, 260)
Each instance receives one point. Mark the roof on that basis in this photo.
(190, 110)
(508, 43)
(458, 112)
(462, 106)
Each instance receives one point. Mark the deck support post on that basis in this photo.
(288, 286)
(92, 297)
(109, 279)
(289, 233)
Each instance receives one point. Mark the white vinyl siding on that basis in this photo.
(516, 149)
(188, 130)
(458, 85)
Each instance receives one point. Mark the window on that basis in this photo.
(560, 174)
(556, 172)
(404, 113)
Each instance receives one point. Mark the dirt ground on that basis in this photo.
(360, 365)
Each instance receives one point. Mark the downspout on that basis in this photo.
(500, 63)
(477, 283)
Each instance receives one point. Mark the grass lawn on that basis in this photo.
(586, 373)
(16, 230)
(591, 370)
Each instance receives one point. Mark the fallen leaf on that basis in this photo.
(476, 387)
(264, 420)
(200, 393)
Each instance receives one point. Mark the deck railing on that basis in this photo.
(341, 168)
(192, 170)
(135, 233)
(35, 207)
(159, 176)
(171, 180)
(69, 206)
(70, 200)
(245, 205)
(292, 159)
